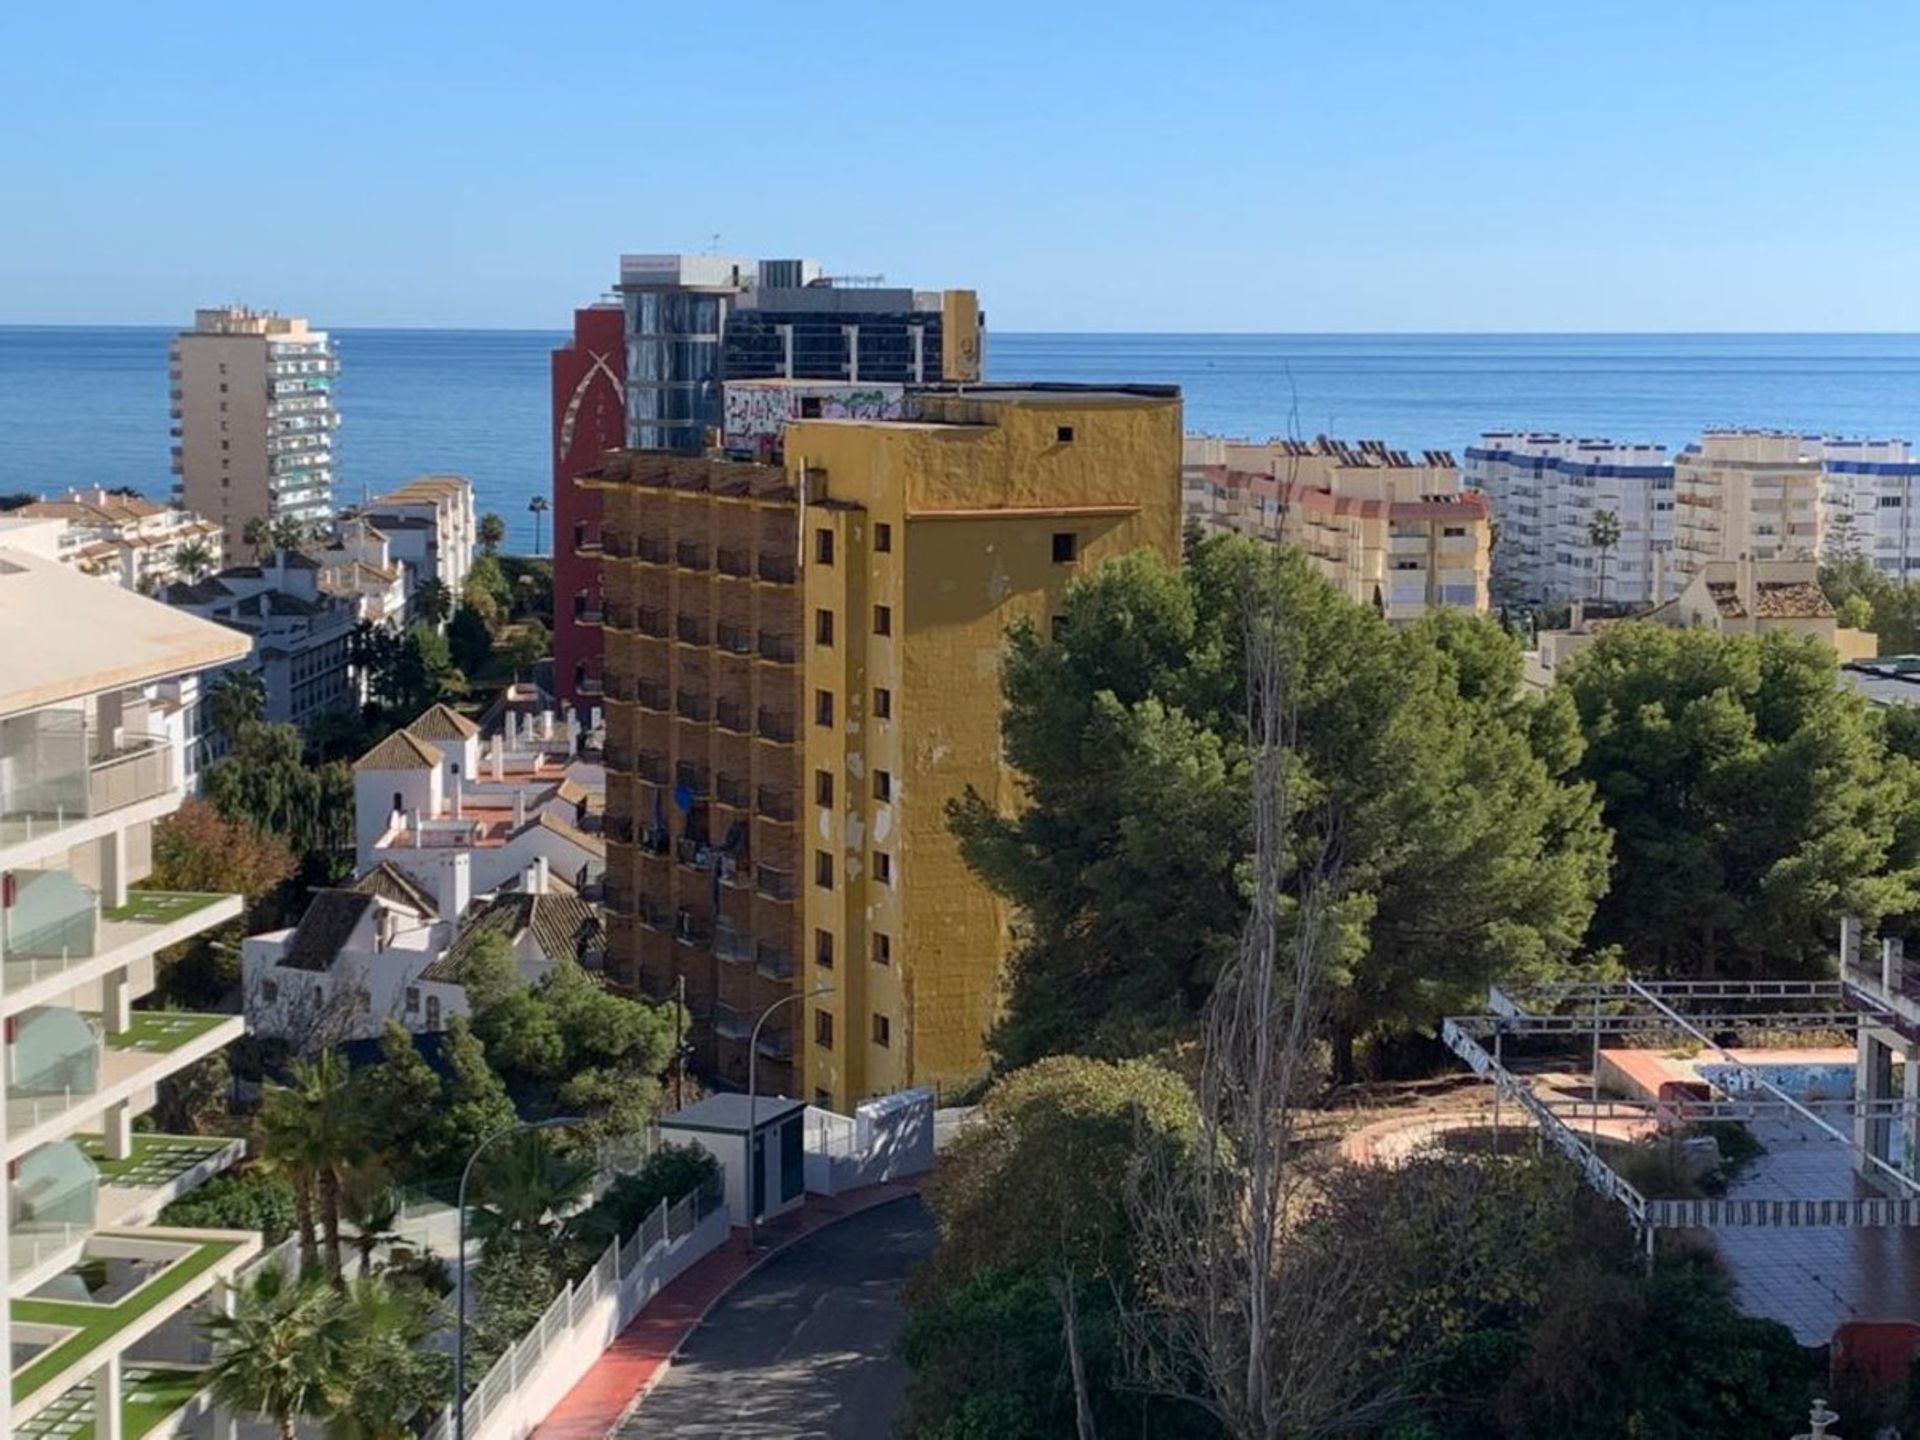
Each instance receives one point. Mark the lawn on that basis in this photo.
(93, 1324)
(159, 1032)
(158, 907)
(156, 1159)
(149, 1396)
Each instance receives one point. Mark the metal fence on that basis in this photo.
(619, 1262)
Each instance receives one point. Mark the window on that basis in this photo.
(433, 1012)
(269, 991)
(1066, 547)
(823, 627)
(823, 869)
(1889, 502)
(823, 787)
(883, 867)
(882, 703)
(883, 785)
(882, 948)
(1453, 532)
(823, 1029)
(823, 707)
(883, 620)
(883, 538)
(823, 949)
(1063, 434)
(823, 546)
(413, 999)
(882, 1030)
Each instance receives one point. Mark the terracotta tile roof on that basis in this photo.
(390, 882)
(592, 844)
(442, 722)
(399, 751)
(327, 925)
(1772, 600)
(563, 926)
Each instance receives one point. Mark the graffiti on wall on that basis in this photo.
(753, 414)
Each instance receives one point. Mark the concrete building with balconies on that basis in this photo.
(100, 1302)
(801, 659)
(1753, 494)
(253, 419)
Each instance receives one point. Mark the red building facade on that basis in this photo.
(589, 418)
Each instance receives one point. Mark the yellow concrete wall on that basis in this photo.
(973, 510)
(962, 345)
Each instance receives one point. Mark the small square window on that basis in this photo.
(882, 948)
(883, 538)
(823, 707)
(823, 787)
(823, 949)
(1063, 434)
(823, 1029)
(883, 619)
(269, 991)
(882, 703)
(823, 547)
(823, 627)
(882, 1030)
(1066, 547)
(883, 785)
(823, 869)
(883, 867)
(413, 999)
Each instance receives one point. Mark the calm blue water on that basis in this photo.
(90, 405)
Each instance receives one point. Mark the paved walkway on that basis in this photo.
(641, 1354)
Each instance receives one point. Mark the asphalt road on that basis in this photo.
(802, 1348)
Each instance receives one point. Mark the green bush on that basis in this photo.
(248, 1199)
(669, 1173)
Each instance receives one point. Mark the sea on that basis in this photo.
(88, 405)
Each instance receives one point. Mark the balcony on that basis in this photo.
(734, 639)
(777, 648)
(774, 884)
(737, 563)
(729, 944)
(56, 925)
(690, 555)
(691, 929)
(733, 715)
(776, 1044)
(691, 705)
(777, 569)
(691, 630)
(773, 961)
(730, 1024)
(732, 791)
(585, 614)
(651, 766)
(650, 621)
(652, 550)
(50, 783)
(775, 803)
(775, 725)
(696, 780)
(651, 695)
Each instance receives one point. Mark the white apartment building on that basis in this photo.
(357, 565)
(431, 529)
(253, 419)
(1546, 490)
(1868, 504)
(128, 540)
(101, 1304)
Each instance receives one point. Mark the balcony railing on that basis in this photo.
(690, 705)
(775, 725)
(729, 944)
(730, 1024)
(734, 715)
(737, 563)
(779, 569)
(690, 555)
(691, 630)
(776, 1044)
(650, 621)
(650, 695)
(773, 961)
(691, 929)
(734, 639)
(730, 790)
(49, 783)
(651, 765)
(775, 803)
(777, 648)
(653, 550)
(696, 780)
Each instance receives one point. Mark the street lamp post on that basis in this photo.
(460, 1303)
(753, 1105)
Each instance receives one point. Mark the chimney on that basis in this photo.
(573, 734)
(496, 752)
(546, 724)
(594, 724)
(519, 808)
(530, 877)
(459, 797)
(1743, 583)
(413, 824)
(540, 875)
(456, 886)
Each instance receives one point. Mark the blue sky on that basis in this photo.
(1202, 166)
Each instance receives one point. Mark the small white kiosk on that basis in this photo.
(720, 1125)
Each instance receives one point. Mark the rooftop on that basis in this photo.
(726, 1113)
(66, 635)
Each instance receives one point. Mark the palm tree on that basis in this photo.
(237, 701)
(193, 559)
(258, 535)
(526, 1188)
(278, 1353)
(1603, 533)
(385, 1377)
(538, 505)
(371, 1206)
(433, 602)
(493, 532)
(312, 1132)
(289, 533)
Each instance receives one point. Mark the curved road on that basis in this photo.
(803, 1347)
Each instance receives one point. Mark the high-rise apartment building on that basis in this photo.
(253, 419)
(1870, 492)
(1546, 491)
(689, 325)
(1746, 494)
(801, 664)
(1384, 528)
(101, 1304)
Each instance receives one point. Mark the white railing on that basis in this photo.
(530, 1378)
(890, 1138)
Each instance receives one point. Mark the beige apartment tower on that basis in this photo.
(1746, 494)
(253, 419)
